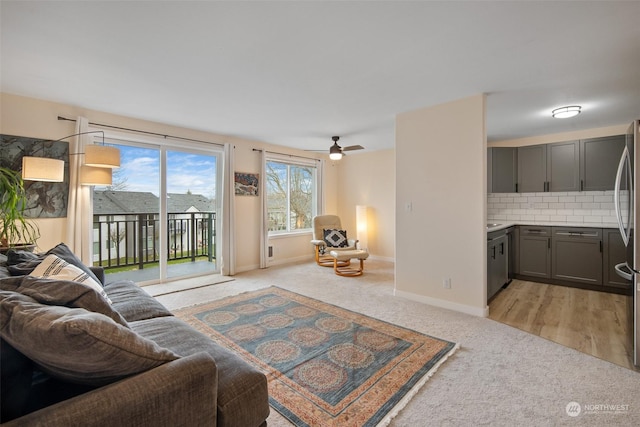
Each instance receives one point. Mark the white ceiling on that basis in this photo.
(296, 73)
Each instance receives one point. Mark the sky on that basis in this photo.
(140, 169)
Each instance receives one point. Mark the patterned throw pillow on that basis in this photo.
(53, 267)
(336, 238)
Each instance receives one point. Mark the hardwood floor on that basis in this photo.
(592, 322)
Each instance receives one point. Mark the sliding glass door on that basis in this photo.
(159, 219)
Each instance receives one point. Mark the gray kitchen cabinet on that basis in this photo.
(615, 252)
(532, 169)
(503, 169)
(534, 250)
(599, 158)
(497, 261)
(513, 238)
(563, 166)
(577, 255)
(489, 169)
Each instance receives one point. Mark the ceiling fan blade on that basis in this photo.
(353, 147)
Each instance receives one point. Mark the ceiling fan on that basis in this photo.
(336, 152)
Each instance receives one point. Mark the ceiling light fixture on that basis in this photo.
(566, 112)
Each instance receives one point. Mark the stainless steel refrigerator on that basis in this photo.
(627, 206)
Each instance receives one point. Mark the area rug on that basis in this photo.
(326, 366)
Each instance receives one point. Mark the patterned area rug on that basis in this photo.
(326, 366)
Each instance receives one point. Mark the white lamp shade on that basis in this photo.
(90, 175)
(362, 227)
(42, 169)
(101, 156)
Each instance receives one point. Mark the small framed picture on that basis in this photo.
(246, 184)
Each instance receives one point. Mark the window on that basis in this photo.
(291, 196)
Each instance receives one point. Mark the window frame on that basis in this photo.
(315, 165)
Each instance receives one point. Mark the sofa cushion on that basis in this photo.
(74, 344)
(53, 267)
(22, 262)
(133, 302)
(241, 387)
(15, 382)
(62, 292)
(4, 271)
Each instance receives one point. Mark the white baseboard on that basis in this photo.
(449, 305)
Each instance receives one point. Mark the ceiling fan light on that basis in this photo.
(566, 112)
(335, 153)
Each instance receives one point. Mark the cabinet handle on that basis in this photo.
(516, 187)
(600, 245)
(493, 255)
(576, 234)
(501, 248)
(548, 243)
(582, 185)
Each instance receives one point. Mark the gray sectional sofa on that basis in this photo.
(69, 357)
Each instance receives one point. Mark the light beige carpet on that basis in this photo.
(500, 376)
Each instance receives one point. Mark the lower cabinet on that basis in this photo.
(535, 251)
(497, 262)
(577, 255)
(571, 256)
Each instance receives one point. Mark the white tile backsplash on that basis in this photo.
(588, 207)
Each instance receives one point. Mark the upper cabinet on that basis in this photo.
(563, 166)
(585, 165)
(599, 158)
(532, 169)
(502, 170)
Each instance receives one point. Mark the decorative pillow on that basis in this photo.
(67, 293)
(53, 267)
(74, 344)
(336, 238)
(32, 261)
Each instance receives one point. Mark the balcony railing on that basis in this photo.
(133, 240)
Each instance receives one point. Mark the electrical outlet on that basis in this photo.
(446, 283)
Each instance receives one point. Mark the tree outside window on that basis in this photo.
(291, 191)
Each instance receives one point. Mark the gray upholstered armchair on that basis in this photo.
(322, 248)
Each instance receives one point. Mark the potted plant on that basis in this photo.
(15, 230)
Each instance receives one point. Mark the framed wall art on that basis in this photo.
(246, 184)
(45, 199)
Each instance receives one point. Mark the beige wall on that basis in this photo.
(38, 119)
(369, 179)
(560, 137)
(441, 172)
